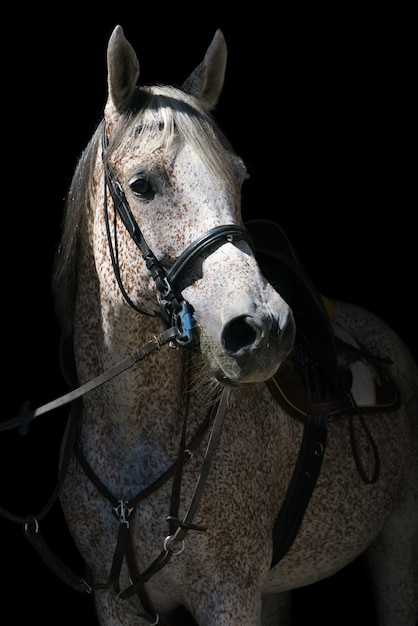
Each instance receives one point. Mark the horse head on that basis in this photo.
(175, 181)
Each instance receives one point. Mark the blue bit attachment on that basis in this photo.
(185, 324)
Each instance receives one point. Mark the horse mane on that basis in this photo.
(64, 275)
(159, 115)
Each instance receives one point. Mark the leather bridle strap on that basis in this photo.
(227, 233)
(186, 524)
(174, 309)
(122, 207)
(26, 416)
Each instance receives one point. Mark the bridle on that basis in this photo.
(176, 315)
(174, 309)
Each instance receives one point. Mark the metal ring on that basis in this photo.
(167, 547)
(26, 527)
(157, 619)
(319, 448)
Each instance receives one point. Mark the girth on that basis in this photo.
(311, 386)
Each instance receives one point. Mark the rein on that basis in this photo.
(123, 509)
(176, 315)
(26, 415)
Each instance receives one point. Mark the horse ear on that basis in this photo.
(122, 68)
(207, 80)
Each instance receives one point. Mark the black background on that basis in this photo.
(317, 104)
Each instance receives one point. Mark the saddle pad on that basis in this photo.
(371, 389)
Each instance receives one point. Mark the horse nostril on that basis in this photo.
(238, 334)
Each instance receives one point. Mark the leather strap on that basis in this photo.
(27, 415)
(186, 525)
(301, 486)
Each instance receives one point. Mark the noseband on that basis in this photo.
(174, 309)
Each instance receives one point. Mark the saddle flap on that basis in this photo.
(283, 269)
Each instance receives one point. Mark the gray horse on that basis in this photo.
(271, 436)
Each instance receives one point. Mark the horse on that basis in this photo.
(233, 434)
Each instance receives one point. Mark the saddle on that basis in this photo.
(318, 381)
(363, 386)
(340, 360)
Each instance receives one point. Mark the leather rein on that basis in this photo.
(121, 508)
(176, 315)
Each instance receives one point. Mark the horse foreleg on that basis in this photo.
(276, 609)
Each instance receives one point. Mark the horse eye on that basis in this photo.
(140, 186)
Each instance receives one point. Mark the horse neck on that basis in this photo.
(146, 400)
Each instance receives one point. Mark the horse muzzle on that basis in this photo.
(251, 349)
